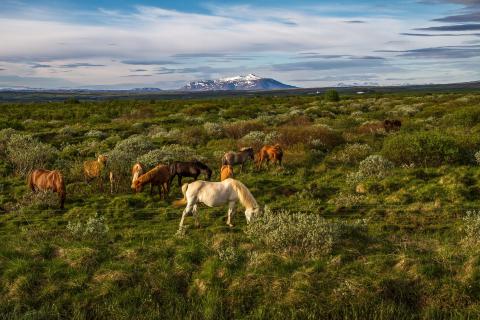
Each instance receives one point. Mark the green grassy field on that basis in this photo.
(359, 223)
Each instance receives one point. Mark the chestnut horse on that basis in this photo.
(233, 158)
(137, 170)
(43, 180)
(270, 153)
(93, 169)
(158, 176)
(226, 172)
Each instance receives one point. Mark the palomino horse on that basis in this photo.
(158, 176)
(215, 194)
(226, 172)
(137, 170)
(188, 169)
(93, 169)
(233, 158)
(270, 153)
(43, 180)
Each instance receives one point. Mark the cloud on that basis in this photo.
(80, 65)
(439, 34)
(34, 82)
(39, 65)
(457, 27)
(467, 17)
(329, 65)
(448, 52)
(148, 62)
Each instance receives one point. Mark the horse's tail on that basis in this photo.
(244, 195)
(182, 202)
(30, 180)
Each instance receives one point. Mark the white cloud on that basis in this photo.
(156, 34)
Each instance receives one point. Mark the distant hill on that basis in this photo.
(248, 82)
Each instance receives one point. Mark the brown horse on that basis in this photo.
(226, 172)
(270, 153)
(233, 158)
(93, 169)
(43, 180)
(137, 170)
(158, 176)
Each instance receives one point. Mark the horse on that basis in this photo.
(233, 158)
(392, 125)
(42, 180)
(188, 169)
(137, 170)
(158, 176)
(267, 153)
(226, 172)
(215, 194)
(93, 169)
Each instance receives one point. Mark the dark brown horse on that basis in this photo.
(270, 153)
(43, 180)
(157, 177)
(188, 169)
(233, 158)
(392, 125)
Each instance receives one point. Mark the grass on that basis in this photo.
(403, 246)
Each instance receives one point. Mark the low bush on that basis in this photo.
(94, 228)
(291, 135)
(238, 129)
(168, 154)
(351, 153)
(287, 232)
(427, 148)
(27, 153)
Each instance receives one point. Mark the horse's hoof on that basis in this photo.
(230, 225)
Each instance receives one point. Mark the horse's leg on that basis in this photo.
(195, 214)
(231, 211)
(186, 211)
(151, 189)
(179, 180)
(241, 167)
(62, 200)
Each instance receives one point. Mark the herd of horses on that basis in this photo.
(212, 194)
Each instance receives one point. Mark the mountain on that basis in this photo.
(248, 82)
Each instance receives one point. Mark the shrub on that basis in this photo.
(39, 200)
(477, 157)
(374, 166)
(238, 129)
(168, 154)
(471, 228)
(94, 228)
(331, 95)
(5, 135)
(423, 148)
(287, 232)
(290, 135)
(351, 153)
(95, 134)
(39, 154)
(214, 130)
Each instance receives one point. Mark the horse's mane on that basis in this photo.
(244, 195)
(200, 165)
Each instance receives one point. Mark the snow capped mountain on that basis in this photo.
(248, 82)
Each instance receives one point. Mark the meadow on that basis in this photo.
(361, 222)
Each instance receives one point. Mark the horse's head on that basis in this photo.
(137, 186)
(249, 151)
(102, 159)
(252, 213)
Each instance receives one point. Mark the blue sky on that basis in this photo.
(122, 44)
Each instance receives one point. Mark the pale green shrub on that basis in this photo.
(471, 228)
(168, 154)
(94, 228)
(351, 153)
(287, 232)
(214, 130)
(477, 157)
(374, 166)
(27, 153)
(95, 134)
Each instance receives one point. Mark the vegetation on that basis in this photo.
(360, 223)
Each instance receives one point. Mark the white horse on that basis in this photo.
(214, 194)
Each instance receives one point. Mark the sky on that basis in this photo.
(150, 43)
